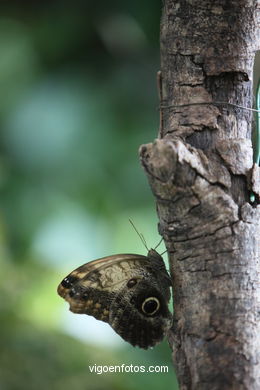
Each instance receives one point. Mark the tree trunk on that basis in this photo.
(200, 170)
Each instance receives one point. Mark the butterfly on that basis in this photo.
(130, 292)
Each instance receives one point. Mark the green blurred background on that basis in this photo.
(78, 97)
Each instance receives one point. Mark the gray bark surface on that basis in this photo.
(200, 172)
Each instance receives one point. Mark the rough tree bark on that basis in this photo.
(199, 170)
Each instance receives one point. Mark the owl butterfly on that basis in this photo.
(131, 292)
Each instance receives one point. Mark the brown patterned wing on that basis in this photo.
(129, 291)
(139, 313)
(91, 288)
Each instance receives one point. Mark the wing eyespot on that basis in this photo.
(131, 282)
(150, 306)
(68, 281)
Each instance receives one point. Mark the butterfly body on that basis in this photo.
(129, 291)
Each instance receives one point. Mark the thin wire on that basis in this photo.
(257, 141)
(256, 110)
(212, 103)
(257, 155)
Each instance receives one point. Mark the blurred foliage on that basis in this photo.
(78, 97)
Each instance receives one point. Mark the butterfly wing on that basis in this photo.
(140, 314)
(129, 291)
(91, 288)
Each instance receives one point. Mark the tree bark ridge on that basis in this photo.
(200, 171)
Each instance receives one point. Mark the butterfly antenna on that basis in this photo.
(144, 241)
(158, 243)
(139, 234)
(163, 252)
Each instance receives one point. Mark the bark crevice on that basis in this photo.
(200, 172)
